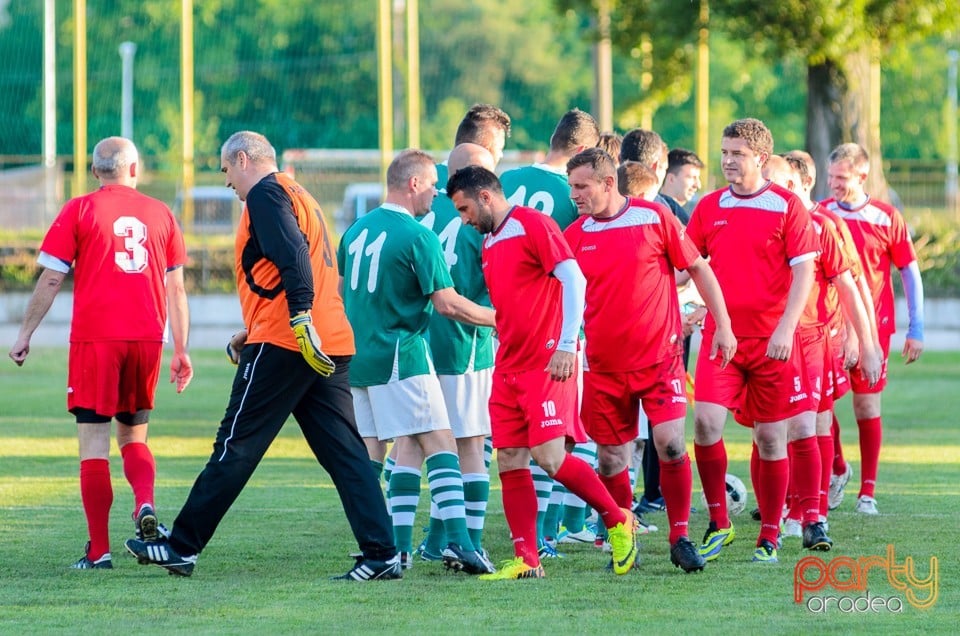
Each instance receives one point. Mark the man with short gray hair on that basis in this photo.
(127, 253)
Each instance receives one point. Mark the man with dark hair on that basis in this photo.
(543, 185)
(485, 125)
(538, 291)
(682, 181)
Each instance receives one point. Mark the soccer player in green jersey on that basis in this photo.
(462, 355)
(543, 186)
(484, 125)
(394, 274)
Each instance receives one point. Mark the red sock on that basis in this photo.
(520, 509)
(773, 474)
(676, 483)
(825, 442)
(805, 476)
(839, 463)
(712, 467)
(96, 492)
(755, 471)
(577, 476)
(793, 502)
(619, 488)
(140, 470)
(871, 435)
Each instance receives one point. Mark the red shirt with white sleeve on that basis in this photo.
(882, 240)
(121, 244)
(632, 315)
(518, 259)
(824, 299)
(752, 242)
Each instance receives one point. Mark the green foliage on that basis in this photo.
(936, 238)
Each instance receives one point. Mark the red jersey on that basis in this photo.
(518, 258)
(121, 243)
(632, 315)
(881, 237)
(836, 319)
(824, 301)
(752, 242)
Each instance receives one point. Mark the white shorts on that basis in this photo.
(405, 407)
(466, 397)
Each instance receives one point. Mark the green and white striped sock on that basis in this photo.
(446, 490)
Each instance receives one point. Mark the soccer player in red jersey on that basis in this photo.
(537, 290)
(127, 253)
(847, 308)
(628, 250)
(882, 240)
(833, 284)
(762, 247)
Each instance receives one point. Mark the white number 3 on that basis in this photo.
(134, 259)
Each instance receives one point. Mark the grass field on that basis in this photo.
(266, 570)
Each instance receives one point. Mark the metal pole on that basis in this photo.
(385, 85)
(604, 69)
(413, 73)
(951, 184)
(127, 51)
(186, 97)
(79, 97)
(49, 110)
(702, 105)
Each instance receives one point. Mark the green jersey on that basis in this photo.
(443, 175)
(543, 188)
(459, 348)
(390, 266)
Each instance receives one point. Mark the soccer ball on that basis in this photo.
(736, 495)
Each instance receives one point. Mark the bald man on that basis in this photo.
(128, 255)
(462, 354)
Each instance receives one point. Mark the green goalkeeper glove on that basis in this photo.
(309, 343)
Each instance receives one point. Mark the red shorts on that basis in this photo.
(859, 383)
(611, 401)
(815, 352)
(113, 377)
(766, 390)
(528, 409)
(839, 378)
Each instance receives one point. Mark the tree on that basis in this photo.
(843, 42)
(840, 40)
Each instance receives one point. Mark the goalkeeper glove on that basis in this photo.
(309, 343)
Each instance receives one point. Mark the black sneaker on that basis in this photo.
(371, 570)
(471, 562)
(103, 563)
(147, 524)
(815, 538)
(406, 560)
(162, 554)
(755, 514)
(685, 555)
(162, 532)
